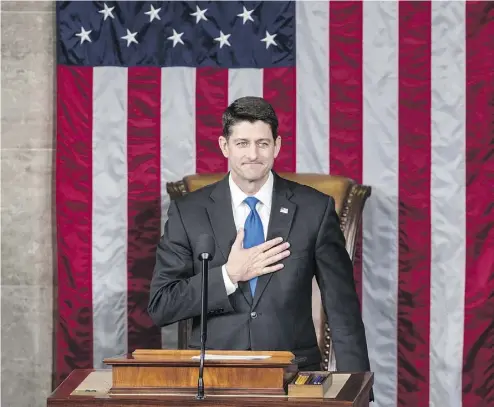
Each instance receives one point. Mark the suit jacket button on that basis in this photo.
(253, 314)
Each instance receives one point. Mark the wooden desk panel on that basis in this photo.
(354, 393)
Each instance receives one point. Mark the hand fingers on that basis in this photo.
(276, 258)
(269, 244)
(271, 269)
(275, 250)
(264, 270)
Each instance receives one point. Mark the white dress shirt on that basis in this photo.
(241, 210)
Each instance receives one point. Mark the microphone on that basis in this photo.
(206, 249)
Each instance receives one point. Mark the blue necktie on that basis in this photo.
(253, 232)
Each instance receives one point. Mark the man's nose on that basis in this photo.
(252, 153)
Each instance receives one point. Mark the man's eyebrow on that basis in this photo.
(245, 139)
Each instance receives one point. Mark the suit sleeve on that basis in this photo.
(175, 291)
(334, 274)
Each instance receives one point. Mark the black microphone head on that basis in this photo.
(205, 247)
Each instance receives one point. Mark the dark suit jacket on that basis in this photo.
(279, 317)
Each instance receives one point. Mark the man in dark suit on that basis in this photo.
(272, 236)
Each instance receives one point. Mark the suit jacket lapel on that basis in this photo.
(223, 224)
(280, 222)
(221, 217)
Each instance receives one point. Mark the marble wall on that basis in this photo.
(27, 242)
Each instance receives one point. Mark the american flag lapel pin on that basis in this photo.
(284, 210)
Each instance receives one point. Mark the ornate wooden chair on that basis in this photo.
(350, 199)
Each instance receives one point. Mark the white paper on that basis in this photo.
(232, 357)
(96, 383)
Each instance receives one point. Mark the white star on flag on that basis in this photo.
(176, 37)
(269, 39)
(84, 35)
(107, 12)
(223, 39)
(246, 15)
(153, 13)
(200, 14)
(130, 37)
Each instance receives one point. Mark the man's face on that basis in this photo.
(250, 150)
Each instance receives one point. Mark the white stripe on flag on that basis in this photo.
(178, 144)
(380, 170)
(109, 216)
(312, 103)
(244, 82)
(448, 235)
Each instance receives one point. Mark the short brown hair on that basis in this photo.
(251, 109)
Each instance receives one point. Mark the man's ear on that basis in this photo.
(277, 146)
(223, 142)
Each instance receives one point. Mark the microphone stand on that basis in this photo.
(204, 329)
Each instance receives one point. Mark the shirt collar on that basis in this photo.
(265, 194)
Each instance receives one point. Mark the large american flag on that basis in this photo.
(396, 95)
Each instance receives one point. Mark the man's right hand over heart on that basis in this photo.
(245, 264)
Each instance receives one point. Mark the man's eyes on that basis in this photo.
(245, 144)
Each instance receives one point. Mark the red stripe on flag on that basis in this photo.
(478, 343)
(279, 89)
(345, 96)
(74, 326)
(144, 212)
(211, 101)
(414, 112)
